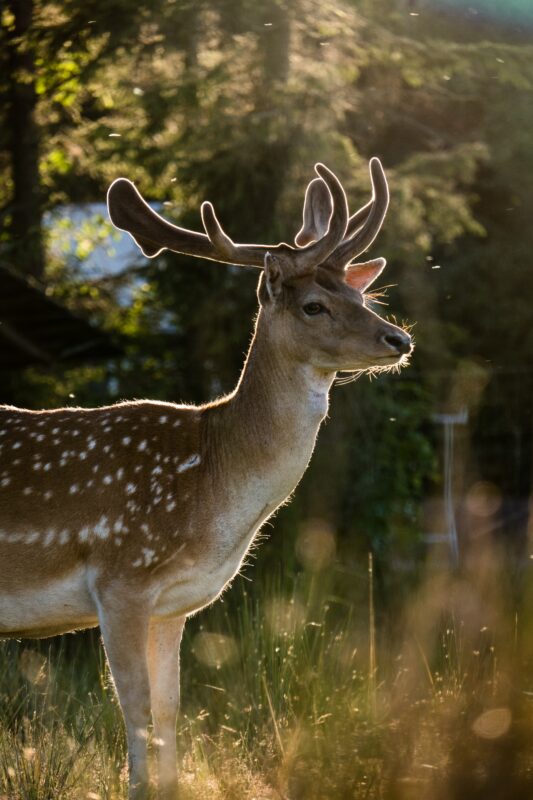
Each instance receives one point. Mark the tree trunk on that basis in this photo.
(26, 207)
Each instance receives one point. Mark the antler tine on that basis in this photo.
(317, 252)
(363, 238)
(358, 219)
(318, 207)
(129, 212)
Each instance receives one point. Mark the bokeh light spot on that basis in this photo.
(33, 666)
(316, 545)
(214, 649)
(285, 617)
(483, 499)
(493, 723)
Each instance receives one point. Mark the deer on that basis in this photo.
(136, 515)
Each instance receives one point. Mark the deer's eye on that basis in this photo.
(312, 309)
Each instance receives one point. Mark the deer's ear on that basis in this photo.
(273, 276)
(361, 276)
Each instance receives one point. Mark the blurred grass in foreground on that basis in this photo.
(297, 693)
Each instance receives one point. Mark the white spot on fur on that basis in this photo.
(148, 556)
(131, 488)
(157, 471)
(142, 445)
(107, 479)
(74, 488)
(126, 440)
(91, 443)
(102, 529)
(17, 445)
(47, 467)
(84, 534)
(49, 538)
(64, 536)
(37, 466)
(120, 473)
(82, 455)
(163, 419)
(192, 461)
(5, 482)
(171, 506)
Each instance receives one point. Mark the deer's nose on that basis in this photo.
(399, 341)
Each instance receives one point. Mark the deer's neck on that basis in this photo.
(266, 429)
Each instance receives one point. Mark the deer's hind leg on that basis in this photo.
(124, 622)
(164, 639)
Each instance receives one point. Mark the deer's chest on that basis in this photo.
(245, 506)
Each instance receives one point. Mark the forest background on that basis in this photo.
(234, 101)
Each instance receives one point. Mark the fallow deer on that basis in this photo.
(135, 515)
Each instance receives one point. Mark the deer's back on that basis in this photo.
(97, 487)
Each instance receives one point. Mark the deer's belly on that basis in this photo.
(62, 605)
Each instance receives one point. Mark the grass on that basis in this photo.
(293, 691)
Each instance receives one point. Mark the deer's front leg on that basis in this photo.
(124, 622)
(164, 639)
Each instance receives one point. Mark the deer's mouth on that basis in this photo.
(392, 359)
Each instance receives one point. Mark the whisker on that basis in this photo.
(372, 372)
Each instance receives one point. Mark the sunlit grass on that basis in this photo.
(294, 692)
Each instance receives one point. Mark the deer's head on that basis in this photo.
(313, 294)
